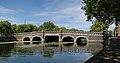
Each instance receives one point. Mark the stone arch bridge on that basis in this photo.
(59, 36)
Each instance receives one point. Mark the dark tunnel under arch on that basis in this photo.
(36, 39)
(26, 39)
(68, 39)
(51, 38)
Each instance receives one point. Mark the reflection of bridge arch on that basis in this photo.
(37, 38)
(82, 40)
(26, 38)
(68, 38)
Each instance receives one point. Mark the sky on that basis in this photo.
(63, 13)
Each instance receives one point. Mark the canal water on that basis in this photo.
(38, 53)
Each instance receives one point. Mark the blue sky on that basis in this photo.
(64, 13)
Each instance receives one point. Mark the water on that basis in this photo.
(15, 53)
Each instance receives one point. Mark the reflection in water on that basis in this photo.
(82, 42)
(27, 43)
(36, 42)
(48, 54)
(52, 45)
(5, 50)
(68, 44)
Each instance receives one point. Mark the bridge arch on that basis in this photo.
(81, 40)
(37, 38)
(26, 38)
(68, 38)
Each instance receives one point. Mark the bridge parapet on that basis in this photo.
(63, 32)
(51, 31)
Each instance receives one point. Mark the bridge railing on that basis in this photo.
(59, 32)
(52, 32)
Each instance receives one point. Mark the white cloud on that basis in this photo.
(4, 10)
(66, 17)
(64, 13)
(12, 20)
(7, 18)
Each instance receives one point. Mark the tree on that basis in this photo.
(56, 28)
(14, 28)
(107, 11)
(40, 28)
(5, 27)
(48, 26)
(63, 29)
(26, 28)
(73, 29)
(99, 26)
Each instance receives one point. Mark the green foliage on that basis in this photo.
(56, 28)
(106, 11)
(102, 9)
(63, 29)
(26, 28)
(40, 28)
(14, 28)
(48, 53)
(48, 26)
(110, 32)
(99, 26)
(73, 29)
(23, 28)
(5, 27)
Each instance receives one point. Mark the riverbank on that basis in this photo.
(109, 54)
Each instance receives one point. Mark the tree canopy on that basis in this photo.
(48, 26)
(108, 10)
(26, 28)
(99, 26)
(104, 11)
(5, 27)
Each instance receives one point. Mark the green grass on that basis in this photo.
(57, 43)
(8, 42)
(33, 45)
(51, 43)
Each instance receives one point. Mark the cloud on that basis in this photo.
(4, 10)
(17, 21)
(12, 20)
(66, 17)
(63, 13)
(8, 18)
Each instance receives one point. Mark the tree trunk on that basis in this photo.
(117, 28)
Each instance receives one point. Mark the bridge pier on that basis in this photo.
(31, 42)
(74, 41)
(60, 40)
(42, 41)
(60, 36)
